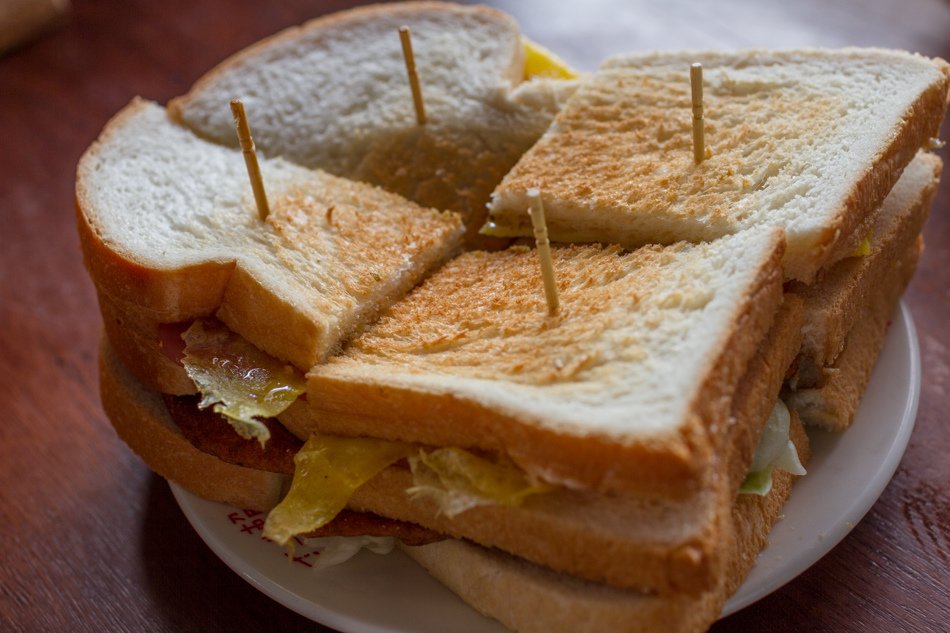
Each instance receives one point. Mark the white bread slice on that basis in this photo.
(333, 94)
(808, 140)
(668, 546)
(833, 405)
(845, 292)
(167, 223)
(627, 388)
(528, 598)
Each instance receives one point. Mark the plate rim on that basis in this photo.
(860, 506)
(901, 332)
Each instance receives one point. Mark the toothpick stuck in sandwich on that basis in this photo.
(406, 38)
(536, 212)
(696, 87)
(250, 157)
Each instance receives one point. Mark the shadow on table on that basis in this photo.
(191, 589)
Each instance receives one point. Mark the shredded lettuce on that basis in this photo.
(775, 450)
(241, 381)
(333, 550)
(458, 480)
(328, 471)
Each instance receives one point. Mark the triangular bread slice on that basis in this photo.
(809, 140)
(627, 388)
(833, 405)
(168, 224)
(845, 292)
(625, 540)
(630, 541)
(529, 598)
(333, 94)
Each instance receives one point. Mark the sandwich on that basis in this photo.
(812, 141)
(135, 259)
(165, 245)
(605, 459)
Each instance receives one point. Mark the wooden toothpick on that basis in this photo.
(406, 38)
(250, 157)
(699, 135)
(536, 212)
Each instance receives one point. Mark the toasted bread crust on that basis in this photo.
(651, 467)
(176, 294)
(914, 132)
(846, 291)
(834, 405)
(757, 392)
(745, 341)
(568, 531)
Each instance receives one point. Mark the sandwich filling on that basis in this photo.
(775, 450)
(239, 380)
(249, 388)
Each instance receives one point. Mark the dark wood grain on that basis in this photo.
(92, 541)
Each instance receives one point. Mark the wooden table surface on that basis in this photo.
(92, 541)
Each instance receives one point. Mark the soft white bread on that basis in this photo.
(845, 292)
(630, 541)
(833, 405)
(528, 598)
(141, 419)
(333, 94)
(627, 388)
(168, 224)
(808, 140)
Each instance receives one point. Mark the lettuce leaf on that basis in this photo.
(775, 450)
(333, 550)
(241, 381)
(457, 480)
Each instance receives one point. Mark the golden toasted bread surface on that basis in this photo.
(640, 362)
(810, 141)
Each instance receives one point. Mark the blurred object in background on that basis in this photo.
(23, 20)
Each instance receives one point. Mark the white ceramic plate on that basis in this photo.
(389, 594)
